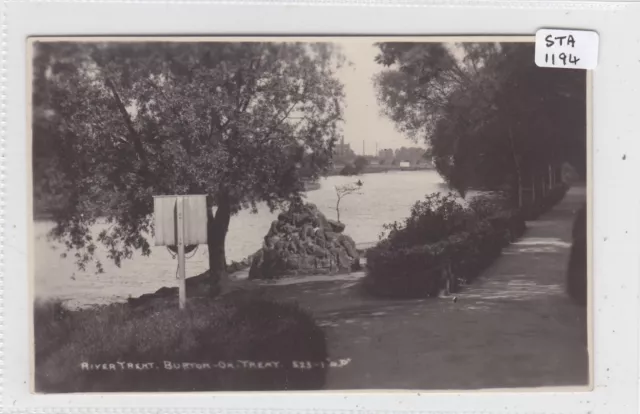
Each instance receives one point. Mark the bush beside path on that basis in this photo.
(514, 327)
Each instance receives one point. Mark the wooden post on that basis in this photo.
(178, 223)
(182, 291)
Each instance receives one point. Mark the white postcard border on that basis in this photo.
(615, 150)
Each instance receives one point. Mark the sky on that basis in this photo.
(363, 120)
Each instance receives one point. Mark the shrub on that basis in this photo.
(406, 272)
(412, 262)
(53, 326)
(510, 222)
(486, 205)
(360, 163)
(207, 332)
(424, 270)
(497, 210)
(430, 221)
(349, 169)
(479, 250)
(577, 268)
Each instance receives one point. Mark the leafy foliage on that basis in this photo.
(443, 244)
(116, 123)
(424, 270)
(489, 115)
(360, 162)
(431, 220)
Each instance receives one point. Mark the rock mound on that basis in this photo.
(304, 242)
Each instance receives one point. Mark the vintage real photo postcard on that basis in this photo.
(321, 213)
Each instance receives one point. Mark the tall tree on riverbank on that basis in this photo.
(116, 123)
(489, 115)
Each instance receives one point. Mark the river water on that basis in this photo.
(384, 198)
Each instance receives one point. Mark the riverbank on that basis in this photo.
(364, 215)
(378, 169)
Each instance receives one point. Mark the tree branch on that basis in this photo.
(280, 121)
(133, 134)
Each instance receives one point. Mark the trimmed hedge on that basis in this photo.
(424, 270)
(431, 220)
(444, 245)
(577, 268)
(207, 332)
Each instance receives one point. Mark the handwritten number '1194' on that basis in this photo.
(562, 57)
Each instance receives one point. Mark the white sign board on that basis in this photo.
(194, 221)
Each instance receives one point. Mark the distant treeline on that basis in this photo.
(372, 169)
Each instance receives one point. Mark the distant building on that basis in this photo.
(343, 153)
(343, 150)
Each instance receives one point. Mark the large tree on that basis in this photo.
(426, 89)
(489, 115)
(116, 123)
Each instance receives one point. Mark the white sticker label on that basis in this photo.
(567, 49)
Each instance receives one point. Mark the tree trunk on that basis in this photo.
(519, 185)
(516, 164)
(217, 227)
(558, 175)
(551, 181)
(533, 189)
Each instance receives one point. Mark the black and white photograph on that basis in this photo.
(307, 214)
